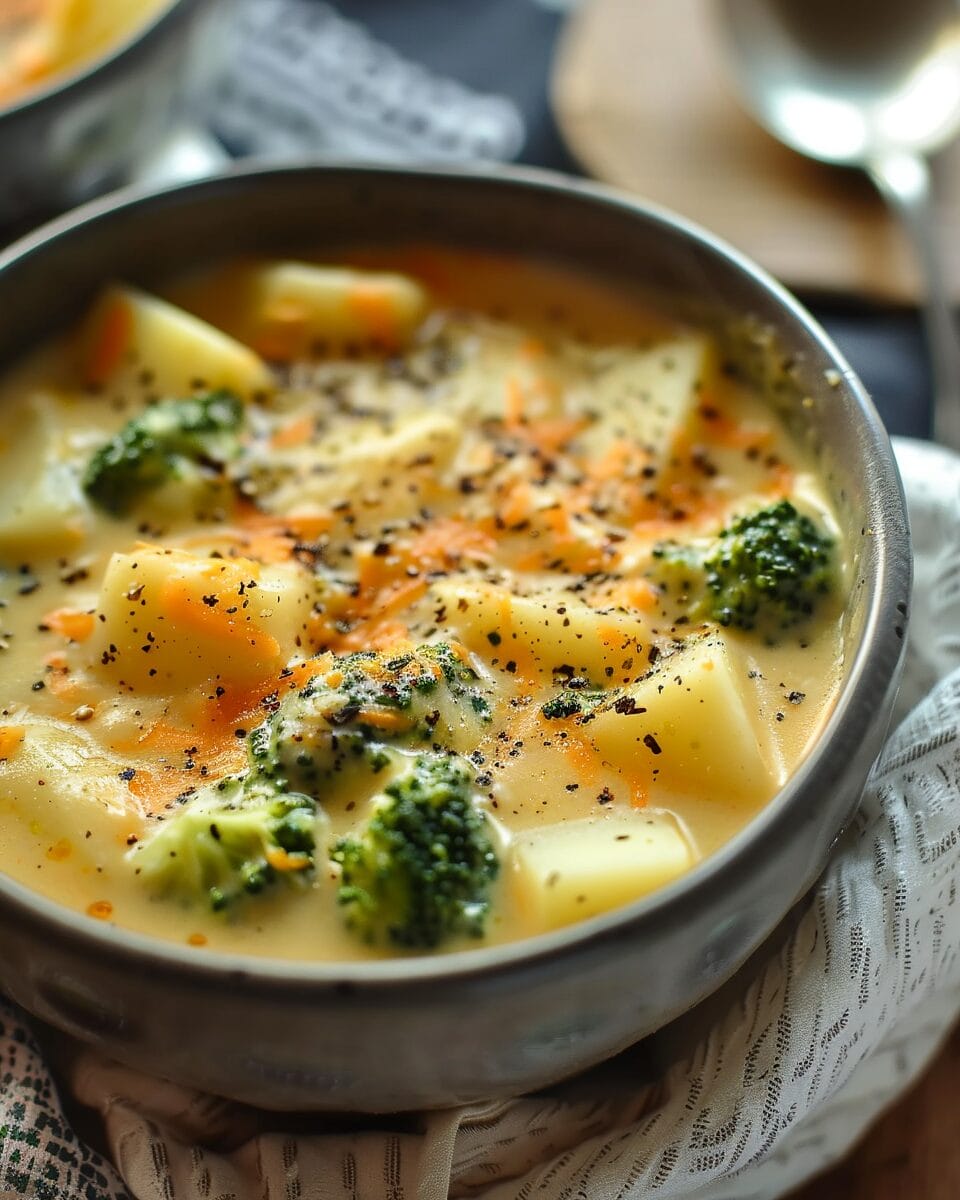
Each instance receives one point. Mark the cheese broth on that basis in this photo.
(488, 467)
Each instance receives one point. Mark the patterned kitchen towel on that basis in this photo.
(793, 1061)
(303, 77)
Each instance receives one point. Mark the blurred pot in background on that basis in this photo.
(79, 116)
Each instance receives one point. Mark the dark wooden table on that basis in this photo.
(913, 1153)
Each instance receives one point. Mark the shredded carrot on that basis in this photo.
(204, 736)
(301, 674)
(375, 571)
(383, 719)
(112, 338)
(307, 527)
(384, 578)
(615, 460)
(11, 739)
(580, 752)
(558, 519)
(639, 594)
(324, 629)
(59, 851)
(265, 537)
(101, 910)
(517, 505)
(399, 596)
(449, 539)
(294, 433)
(266, 547)
(513, 404)
(533, 560)
(372, 306)
(61, 682)
(285, 860)
(375, 635)
(71, 623)
(551, 434)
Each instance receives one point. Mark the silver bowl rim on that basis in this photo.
(873, 669)
(35, 99)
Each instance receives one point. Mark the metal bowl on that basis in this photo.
(432, 1031)
(84, 130)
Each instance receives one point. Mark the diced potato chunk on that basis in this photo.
(42, 509)
(286, 309)
(576, 869)
(650, 397)
(138, 345)
(693, 728)
(65, 805)
(56, 773)
(544, 632)
(173, 621)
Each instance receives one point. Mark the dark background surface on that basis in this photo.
(506, 46)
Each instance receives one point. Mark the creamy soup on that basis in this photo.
(430, 601)
(40, 39)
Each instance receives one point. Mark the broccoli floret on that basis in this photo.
(573, 703)
(169, 440)
(347, 714)
(421, 871)
(766, 571)
(236, 839)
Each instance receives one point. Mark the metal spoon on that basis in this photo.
(873, 84)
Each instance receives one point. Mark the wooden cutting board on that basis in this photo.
(642, 95)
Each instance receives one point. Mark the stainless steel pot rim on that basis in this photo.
(871, 672)
(59, 83)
